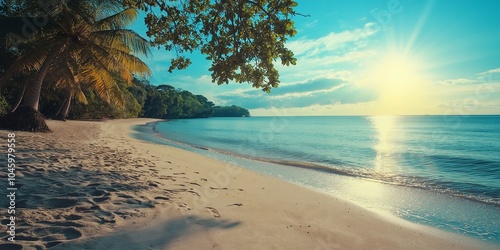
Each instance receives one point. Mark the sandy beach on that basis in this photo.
(90, 185)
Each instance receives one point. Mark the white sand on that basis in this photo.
(89, 185)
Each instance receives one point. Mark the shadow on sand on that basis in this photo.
(192, 229)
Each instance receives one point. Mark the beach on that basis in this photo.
(91, 185)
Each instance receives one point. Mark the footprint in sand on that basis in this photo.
(61, 202)
(193, 192)
(125, 196)
(213, 211)
(152, 184)
(74, 217)
(162, 198)
(54, 235)
(58, 237)
(183, 205)
(99, 192)
(23, 237)
(62, 223)
(11, 246)
(101, 199)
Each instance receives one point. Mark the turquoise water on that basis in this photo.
(442, 171)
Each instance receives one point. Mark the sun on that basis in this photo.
(395, 70)
(398, 82)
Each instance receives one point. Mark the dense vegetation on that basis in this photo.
(230, 111)
(76, 58)
(141, 100)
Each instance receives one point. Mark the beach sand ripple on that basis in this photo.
(71, 185)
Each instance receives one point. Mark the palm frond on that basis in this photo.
(66, 78)
(116, 20)
(132, 63)
(84, 10)
(101, 80)
(113, 38)
(80, 96)
(28, 62)
(118, 61)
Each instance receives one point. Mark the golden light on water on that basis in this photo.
(384, 162)
(385, 129)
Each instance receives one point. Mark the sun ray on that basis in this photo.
(418, 28)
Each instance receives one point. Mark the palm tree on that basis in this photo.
(85, 43)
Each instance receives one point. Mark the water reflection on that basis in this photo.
(384, 127)
(384, 162)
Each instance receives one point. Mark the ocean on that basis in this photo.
(441, 171)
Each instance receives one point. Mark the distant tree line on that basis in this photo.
(141, 100)
(230, 111)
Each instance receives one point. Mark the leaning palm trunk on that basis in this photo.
(20, 99)
(32, 96)
(27, 117)
(62, 114)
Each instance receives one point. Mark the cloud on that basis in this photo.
(493, 71)
(480, 78)
(332, 42)
(459, 81)
(311, 24)
(315, 92)
(319, 57)
(317, 110)
(202, 79)
(490, 75)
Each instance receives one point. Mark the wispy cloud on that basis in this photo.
(458, 81)
(493, 71)
(331, 42)
(315, 92)
(320, 57)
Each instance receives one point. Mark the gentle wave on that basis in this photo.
(477, 194)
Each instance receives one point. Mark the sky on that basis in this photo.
(379, 57)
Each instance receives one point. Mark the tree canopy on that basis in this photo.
(230, 111)
(242, 38)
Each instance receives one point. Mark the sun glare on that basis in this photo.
(398, 82)
(395, 71)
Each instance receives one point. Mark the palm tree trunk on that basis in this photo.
(60, 108)
(32, 96)
(19, 99)
(27, 117)
(63, 112)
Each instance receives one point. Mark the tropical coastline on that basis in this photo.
(400, 165)
(97, 187)
(383, 133)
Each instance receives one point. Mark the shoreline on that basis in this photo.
(412, 202)
(143, 195)
(311, 166)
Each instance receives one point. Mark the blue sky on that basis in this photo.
(380, 57)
